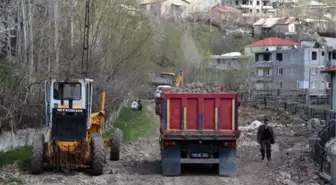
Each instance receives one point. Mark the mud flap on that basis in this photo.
(227, 161)
(171, 161)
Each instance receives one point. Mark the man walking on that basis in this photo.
(134, 105)
(265, 138)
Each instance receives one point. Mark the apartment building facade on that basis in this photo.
(167, 8)
(252, 7)
(294, 69)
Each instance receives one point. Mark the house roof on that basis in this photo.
(273, 42)
(331, 69)
(270, 22)
(225, 9)
(143, 2)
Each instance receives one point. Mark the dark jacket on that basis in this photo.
(263, 134)
(139, 106)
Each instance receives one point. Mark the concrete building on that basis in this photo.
(252, 7)
(293, 69)
(167, 8)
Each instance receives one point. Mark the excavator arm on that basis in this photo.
(179, 79)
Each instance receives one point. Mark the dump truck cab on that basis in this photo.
(68, 108)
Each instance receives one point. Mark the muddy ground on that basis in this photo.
(140, 163)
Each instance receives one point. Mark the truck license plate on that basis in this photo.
(200, 155)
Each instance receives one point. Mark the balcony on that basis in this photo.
(264, 78)
(243, 6)
(262, 64)
(267, 7)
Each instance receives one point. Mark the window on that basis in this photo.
(70, 90)
(258, 2)
(237, 3)
(267, 56)
(322, 53)
(334, 55)
(251, 3)
(266, 72)
(280, 85)
(258, 10)
(279, 57)
(298, 84)
(329, 85)
(218, 61)
(280, 71)
(264, 3)
(244, 2)
(251, 10)
(229, 63)
(314, 55)
(313, 84)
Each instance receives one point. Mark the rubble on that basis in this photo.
(140, 160)
(197, 87)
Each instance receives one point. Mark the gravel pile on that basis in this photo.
(197, 87)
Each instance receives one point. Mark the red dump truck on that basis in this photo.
(199, 129)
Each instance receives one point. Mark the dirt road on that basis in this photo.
(140, 163)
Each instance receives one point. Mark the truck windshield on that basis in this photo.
(71, 91)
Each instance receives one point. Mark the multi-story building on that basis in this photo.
(294, 69)
(252, 7)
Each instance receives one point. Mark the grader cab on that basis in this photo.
(75, 138)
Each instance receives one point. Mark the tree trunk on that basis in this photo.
(24, 22)
(31, 40)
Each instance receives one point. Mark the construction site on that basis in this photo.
(108, 93)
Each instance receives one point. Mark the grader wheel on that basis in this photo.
(98, 155)
(36, 160)
(116, 143)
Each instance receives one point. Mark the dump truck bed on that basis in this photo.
(206, 116)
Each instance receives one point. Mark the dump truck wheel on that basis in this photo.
(116, 143)
(98, 155)
(36, 160)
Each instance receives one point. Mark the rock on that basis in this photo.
(285, 175)
(297, 121)
(314, 123)
(254, 125)
(289, 182)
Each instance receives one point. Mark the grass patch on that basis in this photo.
(134, 124)
(320, 108)
(18, 155)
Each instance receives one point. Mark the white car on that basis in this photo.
(158, 91)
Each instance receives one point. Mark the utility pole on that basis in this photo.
(308, 90)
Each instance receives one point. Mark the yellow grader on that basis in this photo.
(75, 136)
